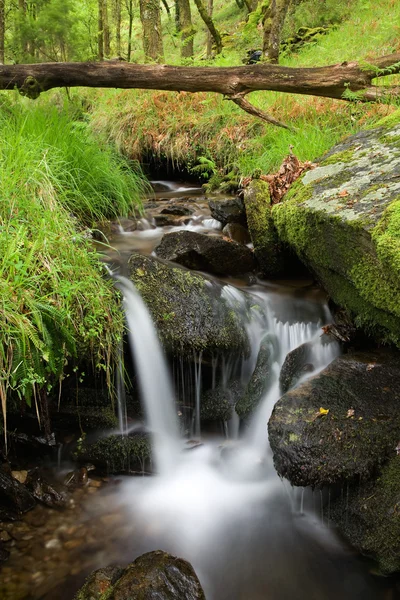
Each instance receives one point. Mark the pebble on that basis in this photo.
(5, 536)
(53, 544)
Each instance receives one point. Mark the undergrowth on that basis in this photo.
(56, 305)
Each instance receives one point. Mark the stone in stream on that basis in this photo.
(228, 211)
(207, 253)
(257, 385)
(237, 233)
(190, 312)
(15, 498)
(155, 575)
(43, 491)
(343, 218)
(361, 393)
(178, 210)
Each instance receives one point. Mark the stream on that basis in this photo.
(215, 499)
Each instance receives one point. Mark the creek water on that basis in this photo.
(213, 500)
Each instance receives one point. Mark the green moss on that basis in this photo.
(346, 156)
(117, 454)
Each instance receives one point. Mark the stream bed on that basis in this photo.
(217, 503)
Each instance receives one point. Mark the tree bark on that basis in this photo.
(250, 5)
(106, 29)
(2, 29)
(334, 81)
(152, 35)
(118, 27)
(129, 6)
(274, 14)
(186, 28)
(209, 38)
(100, 30)
(210, 24)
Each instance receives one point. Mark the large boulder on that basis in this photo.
(155, 575)
(368, 516)
(343, 220)
(190, 312)
(341, 424)
(206, 253)
(218, 403)
(267, 247)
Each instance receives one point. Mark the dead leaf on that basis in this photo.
(371, 366)
(323, 411)
(350, 412)
(343, 193)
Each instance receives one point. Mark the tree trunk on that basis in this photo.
(209, 38)
(177, 16)
(100, 31)
(240, 3)
(250, 4)
(210, 25)
(106, 29)
(186, 28)
(130, 14)
(152, 34)
(118, 27)
(345, 81)
(2, 29)
(167, 9)
(274, 14)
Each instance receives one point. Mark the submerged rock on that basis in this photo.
(206, 253)
(259, 380)
(341, 424)
(228, 211)
(368, 516)
(190, 313)
(343, 218)
(153, 576)
(267, 247)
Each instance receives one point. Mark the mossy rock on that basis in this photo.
(88, 418)
(267, 248)
(118, 454)
(217, 404)
(343, 221)
(190, 312)
(155, 575)
(361, 393)
(368, 515)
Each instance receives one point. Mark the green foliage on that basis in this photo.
(55, 303)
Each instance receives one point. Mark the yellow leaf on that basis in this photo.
(323, 411)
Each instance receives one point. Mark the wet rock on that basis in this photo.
(99, 583)
(267, 248)
(15, 498)
(259, 380)
(4, 553)
(117, 454)
(178, 210)
(20, 475)
(155, 575)
(237, 233)
(170, 220)
(90, 418)
(43, 491)
(341, 219)
(368, 516)
(228, 211)
(206, 253)
(361, 391)
(218, 404)
(190, 313)
(296, 364)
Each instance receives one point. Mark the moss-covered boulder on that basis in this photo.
(368, 516)
(191, 313)
(341, 424)
(343, 220)
(155, 575)
(267, 248)
(118, 454)
(217, 404)
(207, 253)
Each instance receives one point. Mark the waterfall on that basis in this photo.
(154, 381)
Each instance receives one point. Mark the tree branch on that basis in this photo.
(256, 112)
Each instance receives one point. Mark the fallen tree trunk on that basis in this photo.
(345, 81)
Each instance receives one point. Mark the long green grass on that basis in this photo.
(56, 305)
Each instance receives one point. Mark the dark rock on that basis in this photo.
(259, 380)
(99, 583)
(296, 364)
(206, 253)
(15, 498)
(43, 491)
(188, 310)
(90, 418)
(228, 211)
(368, 516)
(117, 454)
(160, 187)
(179, 210)
(167, 220)
(362, 393)
(217, 404)
(237, 233)
(4, 553)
